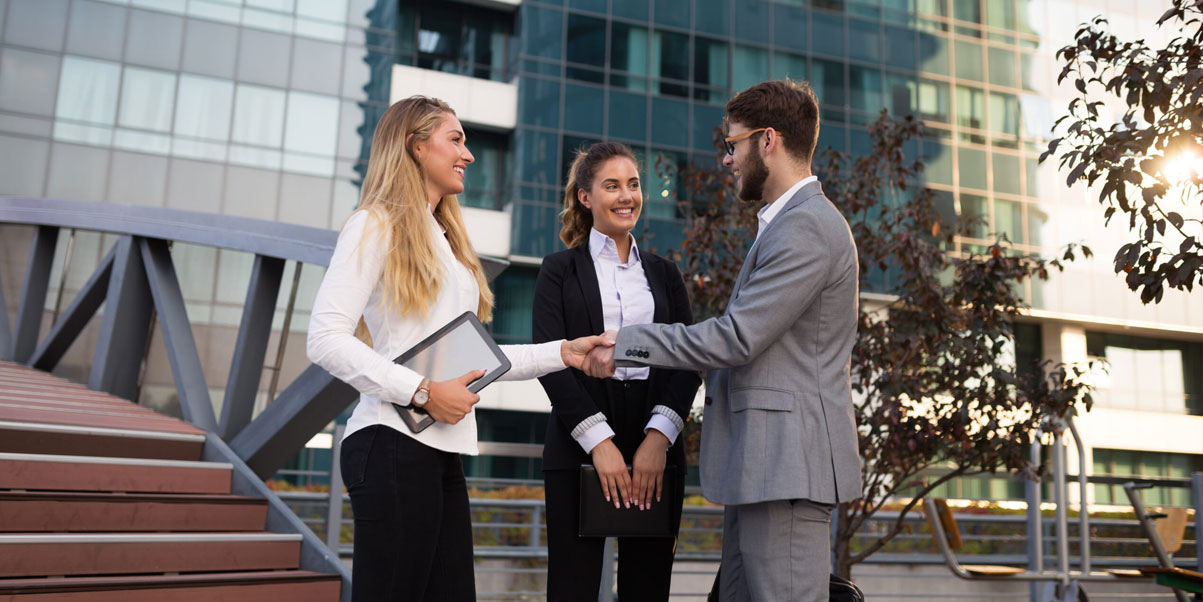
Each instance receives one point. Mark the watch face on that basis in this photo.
(421, 397)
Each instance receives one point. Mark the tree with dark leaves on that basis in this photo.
(938, 394)
(1150, 162)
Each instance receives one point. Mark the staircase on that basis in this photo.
(104, 500)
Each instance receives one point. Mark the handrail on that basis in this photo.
(262, 237)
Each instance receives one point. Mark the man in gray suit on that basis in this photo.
(779, 443)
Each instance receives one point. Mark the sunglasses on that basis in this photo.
(729, 141)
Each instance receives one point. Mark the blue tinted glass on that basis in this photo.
(484, 180)
(865, 40)
(865, 89)
(672, 12)
(712, 17)
(540, 102)
(536, 228)
(583, 109)
(900, 47)
(967, 10)
(791, 66)
(543, 29)
(861, 143)
(588, 41)
(670, 122)
(751, 66)
(752, 21)
(705, 119)
(628, 48)
(670, 59)
(900, 94)
(789, 26)
(831, 136)
(710, 62)
(631, 9)
(628, 115)
(596, 6)
(536, 157)
(827, 33)
(827, 79)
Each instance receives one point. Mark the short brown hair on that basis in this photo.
(785, 105)
(576, 218)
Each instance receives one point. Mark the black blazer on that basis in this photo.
(568, 305)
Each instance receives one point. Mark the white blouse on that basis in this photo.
(354, 286)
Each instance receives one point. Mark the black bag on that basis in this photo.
(839, 590)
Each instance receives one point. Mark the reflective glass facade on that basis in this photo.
(265, 108)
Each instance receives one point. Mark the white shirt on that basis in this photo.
(353, 287)
(626, 299)
(768, 212)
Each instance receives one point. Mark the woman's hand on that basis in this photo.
(450, 400)
(574, 352)
(612, 472)
(649, 468)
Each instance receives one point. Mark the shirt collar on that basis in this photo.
(602, 245)
(768, 212)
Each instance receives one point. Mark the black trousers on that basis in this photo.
(574, 563)
(413, 531)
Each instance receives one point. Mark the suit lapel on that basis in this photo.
(586, 277)
(804, 194)
(655, 281)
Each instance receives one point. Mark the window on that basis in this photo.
(664, 185)
(710, 70)
(1006, 173)
(587, 47)
(311, 133)
(865, 89)
(1148, 374)
(670, 61)
(485, 179)
(628, 55)
(828, 82)
(967, 10)
(1008, 220)
(1135, 463)
(87, 98)
(468, 41)
(147, 98)
(1002, 67)
(975, 210)
(514, 289)
(752, 67)
(868, 40)
(968, 58)
(972, 167)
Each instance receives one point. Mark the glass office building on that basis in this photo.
(265, 108)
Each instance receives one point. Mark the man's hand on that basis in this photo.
(612, 472)
(450, 400)
(575, 352)
(600, 363)
(649, 468)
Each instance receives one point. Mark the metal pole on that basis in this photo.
(1146, 524)
(1197, 496)
(1083, 511)
(334, 509)
(605, 593)
(535, 526)
(1035, 543)
(1060, 495)
(292, 301)
(62, 281)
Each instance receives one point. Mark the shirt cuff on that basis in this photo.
(665, 420)
(548, 358)
(590, 436)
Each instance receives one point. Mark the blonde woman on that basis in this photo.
(403, 264)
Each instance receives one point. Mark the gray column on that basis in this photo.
(251, 347)
(124, 326)
(33, 293)
(195, 403)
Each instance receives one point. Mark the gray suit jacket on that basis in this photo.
(778, 422)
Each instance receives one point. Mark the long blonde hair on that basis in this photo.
(394, 193)
(575, 217)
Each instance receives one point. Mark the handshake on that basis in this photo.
(592, 355)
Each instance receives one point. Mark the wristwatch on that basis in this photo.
(422, 395)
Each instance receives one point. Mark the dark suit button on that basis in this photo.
(708, 400)
(646, 354)
(629, 353)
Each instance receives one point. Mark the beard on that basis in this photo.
(755, 174)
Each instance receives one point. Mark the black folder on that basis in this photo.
(463, 345)
(600, 518)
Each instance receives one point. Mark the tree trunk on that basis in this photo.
(843, 545)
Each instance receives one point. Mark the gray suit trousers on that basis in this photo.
(776, 551)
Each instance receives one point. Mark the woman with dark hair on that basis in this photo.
(603, 282)
(402, 268)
